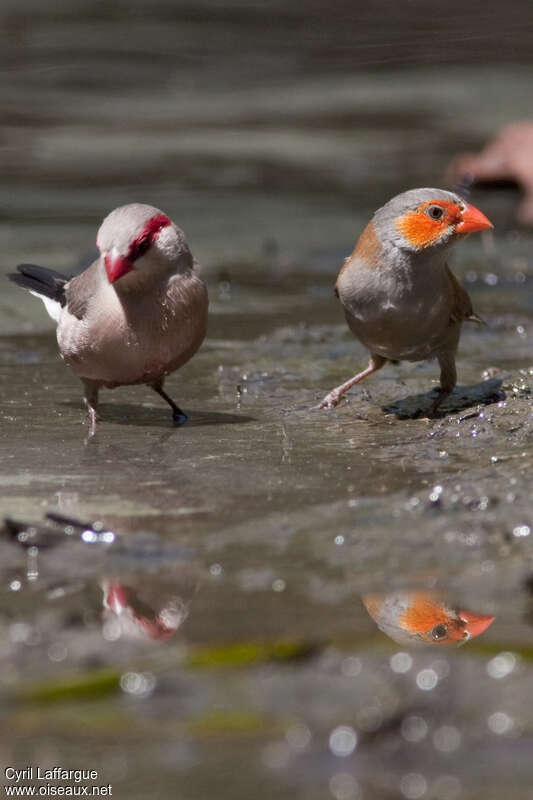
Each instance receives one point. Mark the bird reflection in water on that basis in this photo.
(136, 604)
(424, 618)
(127, 613)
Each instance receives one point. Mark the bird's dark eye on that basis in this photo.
(439, 632)
(435, 212)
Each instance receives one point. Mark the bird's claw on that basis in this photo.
(330, 400)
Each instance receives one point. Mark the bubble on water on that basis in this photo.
(90, 537)
(414, 728)
(140, 684)
(57, 651)
(521, 530)
(401, 662)
(491, 279)
(15, 586)
(447, 738)
(339, 540)
(499, 722)
(427, 679)
(413, 785)
(344, 786)
(215, 570)
(19, 632)
(351, 666)
(278, 585)
(435, 494)
(298, 736)
(446, 787)
(111, 630)
(501, 665)
(342, 741)
(276, 755)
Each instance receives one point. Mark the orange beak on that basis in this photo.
(475, 623)
(472, 219)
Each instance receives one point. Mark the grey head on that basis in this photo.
(419, 219)
(141, 237)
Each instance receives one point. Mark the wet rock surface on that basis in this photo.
(210, 637)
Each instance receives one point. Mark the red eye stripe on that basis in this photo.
(144, 240)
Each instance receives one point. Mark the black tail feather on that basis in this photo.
(42, 280)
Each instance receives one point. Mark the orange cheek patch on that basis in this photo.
(420, 230)
(423, 613)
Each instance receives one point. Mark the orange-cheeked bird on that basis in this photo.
(400, 298)
(418, 618)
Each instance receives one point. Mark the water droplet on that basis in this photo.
(351, 666)
(276, 755)
(401, 662)
(427, 679)
(413, 785)
(343, 741)
(298, 736)
(501, 665)
(414, 728)
(447, 738)
(500, 722)
(344, 786)
(140, 684)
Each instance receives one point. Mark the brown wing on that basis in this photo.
(80, 289)
(461, 304)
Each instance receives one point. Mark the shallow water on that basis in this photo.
(218, 644)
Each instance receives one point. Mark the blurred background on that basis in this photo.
(270, 132)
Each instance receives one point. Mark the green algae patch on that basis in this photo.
(89, 686)
(230, 723)
(244, 653)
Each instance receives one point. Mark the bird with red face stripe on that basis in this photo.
(138, 313)
(400, 298)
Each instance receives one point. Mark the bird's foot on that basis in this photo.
(179, 417)
(331, 400)
(442, 395)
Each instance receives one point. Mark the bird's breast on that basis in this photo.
(136, 339)
(395, 312)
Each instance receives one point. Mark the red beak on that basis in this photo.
(116, 266)
(475, 623)
(472, 219)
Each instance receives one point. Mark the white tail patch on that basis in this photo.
(52, 306)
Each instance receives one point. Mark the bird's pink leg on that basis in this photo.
(91, 401)
(332, 398)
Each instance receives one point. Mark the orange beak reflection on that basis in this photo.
(475, 623)
(472, 219)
